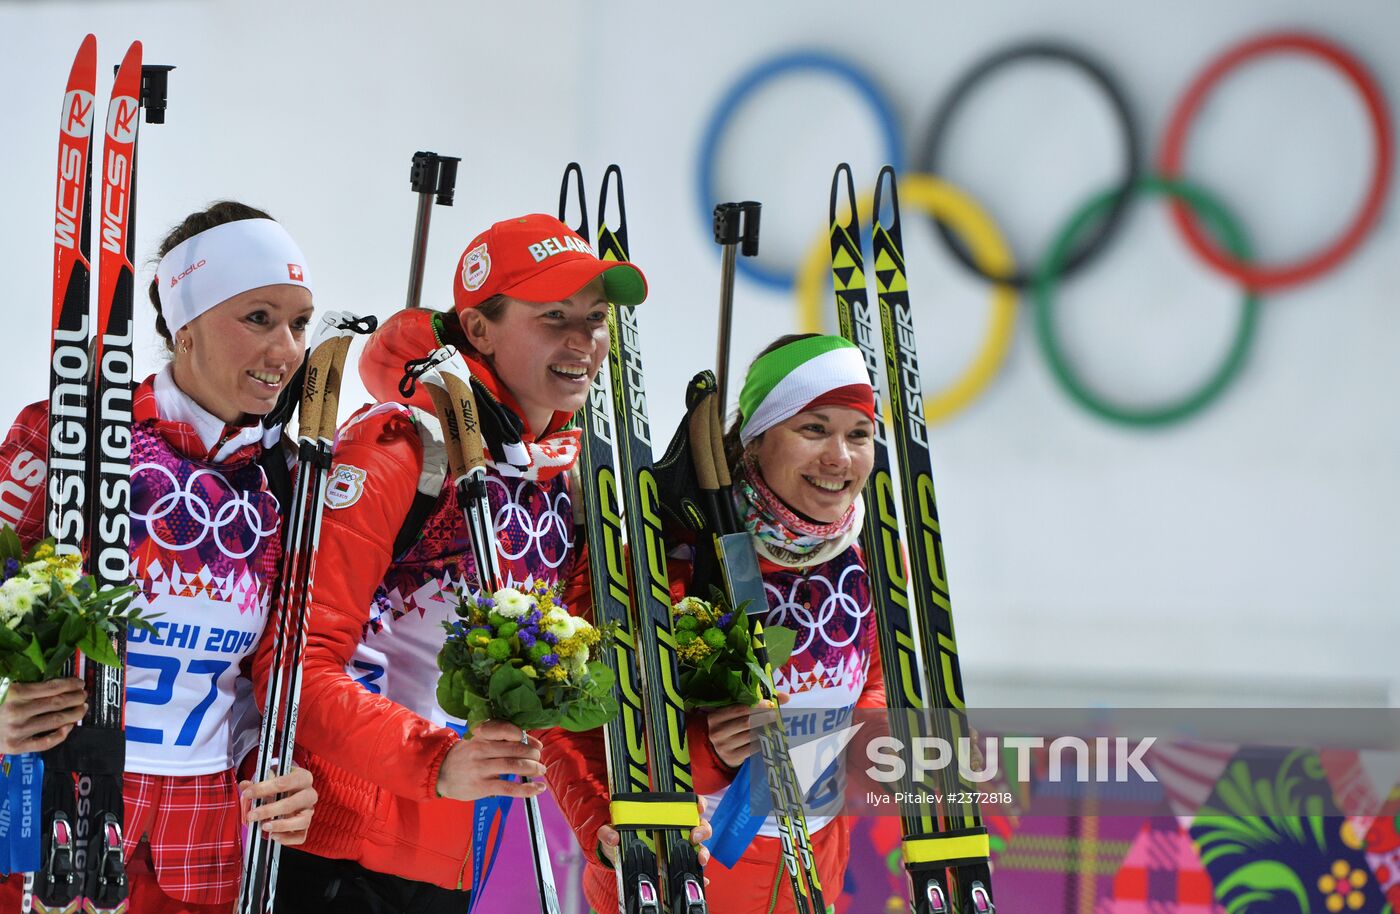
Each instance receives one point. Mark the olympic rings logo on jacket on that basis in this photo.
(973, 239)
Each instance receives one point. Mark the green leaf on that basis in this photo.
(96, 646)
(780, 641)
(518, 702)
(448, 699)
(10, 546)
(1265, 876)
(34, 653)
(503, 679)
(73, 629)
(541, 719)
(580, 715)
(601, 676)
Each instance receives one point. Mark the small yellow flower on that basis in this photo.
(1342, 887)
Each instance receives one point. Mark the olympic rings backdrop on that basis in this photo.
(1217, 238)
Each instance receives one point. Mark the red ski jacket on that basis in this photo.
(369, 726)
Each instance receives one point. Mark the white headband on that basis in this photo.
(217, 264)
(803, 383)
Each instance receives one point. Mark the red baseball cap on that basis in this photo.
(538, 258)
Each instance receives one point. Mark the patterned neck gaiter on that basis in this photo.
(775, 524)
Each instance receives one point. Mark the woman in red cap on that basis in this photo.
(800, 453)
(393, 825)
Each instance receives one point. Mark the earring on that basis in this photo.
(184, 345)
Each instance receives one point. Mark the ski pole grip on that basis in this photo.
(423, 173)
(717, 455)
(346, 326)
(701, 450)
(318, 361)
(449, 385)
(330, 399)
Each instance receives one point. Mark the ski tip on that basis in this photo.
(84, 69)
(133, 55)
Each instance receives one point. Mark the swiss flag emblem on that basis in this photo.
(294, 271)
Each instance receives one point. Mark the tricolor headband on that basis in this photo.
(810, 372)
(221, 262)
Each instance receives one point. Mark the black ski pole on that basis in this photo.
(736, 231)
(320, 399)
(431, 175)
(448, 380)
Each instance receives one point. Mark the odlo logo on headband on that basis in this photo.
(476, 266)
(188, 270)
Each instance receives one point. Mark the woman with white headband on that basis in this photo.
(233, 300)
(800, 452)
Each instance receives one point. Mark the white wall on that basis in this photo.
(1241, 555)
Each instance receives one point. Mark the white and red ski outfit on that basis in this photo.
(815, 583)
(205, 548)
(834, 668)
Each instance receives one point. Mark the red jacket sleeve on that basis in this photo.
(23, 471)
(338, 719)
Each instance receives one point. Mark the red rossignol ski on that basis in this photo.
(109, 555)
(58, 886)
(83, 776)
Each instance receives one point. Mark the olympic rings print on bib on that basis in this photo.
(554, 524)
(182, 518)
(989, 250)
(1266, 278)
(1049, 274)
(932, 147)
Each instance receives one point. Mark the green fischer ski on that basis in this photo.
(638, 879)
(946, 853)
(653, 801)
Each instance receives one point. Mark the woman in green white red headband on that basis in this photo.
(800, 453)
